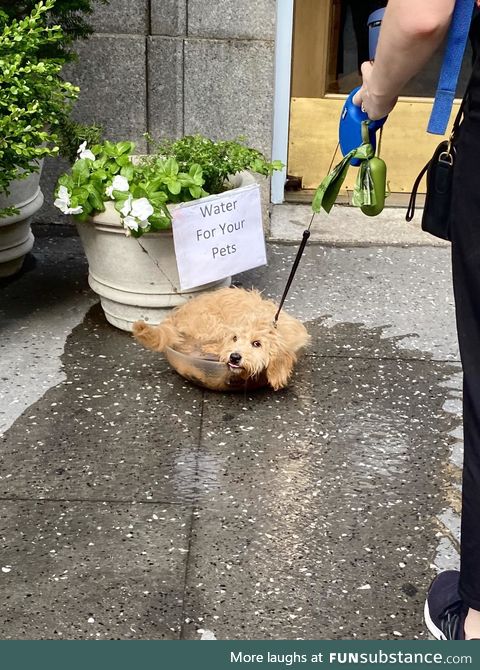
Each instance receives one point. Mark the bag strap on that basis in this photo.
(413, 195)
(452, 62)
(453, 136)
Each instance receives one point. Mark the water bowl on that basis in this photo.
(211, 374)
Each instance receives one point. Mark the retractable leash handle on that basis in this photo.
(352, 116)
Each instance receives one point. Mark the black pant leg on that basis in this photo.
(466, 283)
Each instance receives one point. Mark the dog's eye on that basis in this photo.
(235, 338)
(256, 343)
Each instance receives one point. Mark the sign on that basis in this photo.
(218, 236)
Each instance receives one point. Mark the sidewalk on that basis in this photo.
(135, 505)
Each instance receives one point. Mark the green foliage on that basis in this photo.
(72, 134)
(142, 189)
(218, 160)
(90, 178)
(70, 15)
(33, 97)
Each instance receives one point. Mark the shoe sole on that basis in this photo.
(436, 632)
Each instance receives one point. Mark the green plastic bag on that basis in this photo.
(370, 187)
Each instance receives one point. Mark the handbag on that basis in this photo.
(439, 169)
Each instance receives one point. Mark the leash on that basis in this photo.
(301, 249)
(306, 235)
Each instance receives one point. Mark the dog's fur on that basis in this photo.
(235, 327)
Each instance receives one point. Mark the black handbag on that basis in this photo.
(437, 209)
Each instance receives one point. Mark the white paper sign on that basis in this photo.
(218, 236)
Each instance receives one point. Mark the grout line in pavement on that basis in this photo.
(192, 519)
(109, 501)
(384, 358)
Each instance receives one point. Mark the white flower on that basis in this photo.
(119, 183)
(127, 206)
(83, 152)
(130, 223)
(141, 209)
(63, 202)
(135, 213)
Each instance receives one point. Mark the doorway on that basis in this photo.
(330, 39)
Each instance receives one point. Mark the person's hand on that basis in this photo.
(375, 106)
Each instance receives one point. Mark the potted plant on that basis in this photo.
(123, 208)
(32, 99)
(70, 15)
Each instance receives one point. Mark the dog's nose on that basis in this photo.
(235, 358)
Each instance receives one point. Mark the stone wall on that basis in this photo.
(173, 68)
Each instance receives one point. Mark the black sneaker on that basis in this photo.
(444, 610)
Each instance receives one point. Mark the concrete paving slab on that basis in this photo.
(92, 570)
(38, 310)
(318, 519)
(406, 292)
(121, 426)
(346, 226)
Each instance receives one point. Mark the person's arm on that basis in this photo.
(411, 32)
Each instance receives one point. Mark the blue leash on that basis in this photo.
(452, 62)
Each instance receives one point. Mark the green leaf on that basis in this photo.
(96, 202)
(124, 160)
(125, 147)
(171, 167)
(196, 192)
(120, 197)
(196, 173)
(174, 186)
(80, 171)
(80, 193)
(127, 171)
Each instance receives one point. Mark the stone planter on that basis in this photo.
(135, 278)
(16, 237)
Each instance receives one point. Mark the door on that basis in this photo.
(330, 39)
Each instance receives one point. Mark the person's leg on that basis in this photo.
(466, 281)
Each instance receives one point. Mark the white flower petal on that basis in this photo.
(87, 154)
(141, 209)
(75, 210)
(127, 207)
(61, 205)
(109, 191)
(63, 194)
(82, 147)
(130, 222)
(144, 224)
(120, 183)
(62, 201)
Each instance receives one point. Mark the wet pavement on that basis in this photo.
(136, 505)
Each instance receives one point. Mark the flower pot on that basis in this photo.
(135, 278)
(16, 237)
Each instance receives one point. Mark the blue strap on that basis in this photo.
(452, 62)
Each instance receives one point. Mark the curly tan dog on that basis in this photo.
(235, 327)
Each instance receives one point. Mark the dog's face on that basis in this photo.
(258, 346)
(246, 351)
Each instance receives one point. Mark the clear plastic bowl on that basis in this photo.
(211, 374)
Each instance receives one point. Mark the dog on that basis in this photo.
(236, 327)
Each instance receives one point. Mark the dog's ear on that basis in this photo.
(292, 332)
(280, 368)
